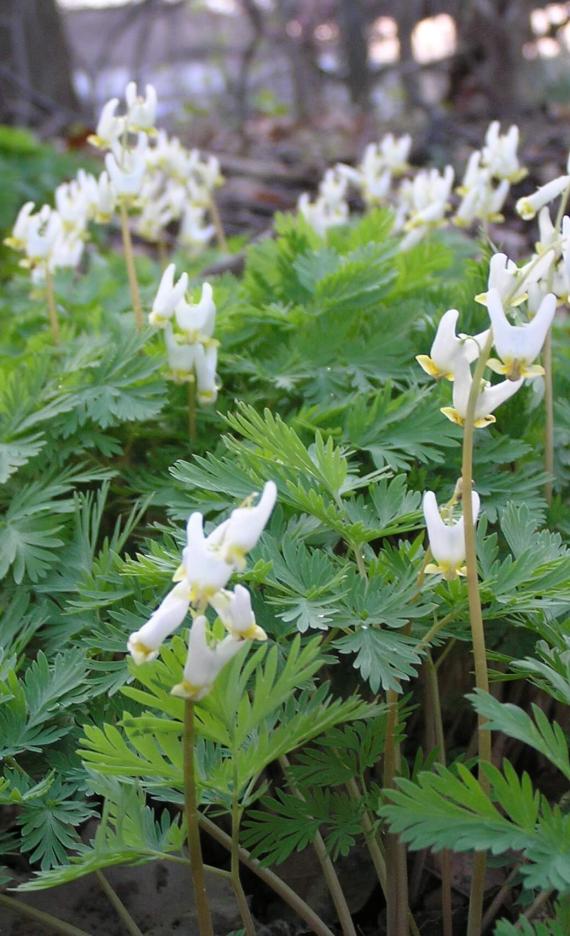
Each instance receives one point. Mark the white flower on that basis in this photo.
(194, 232)
(126, 168)
(528, 206)
(141, 111)
(181, 356)
(110, 127)
(236, 614)
(17, 240)
(500, 153)
(395, 152)
(489, 397)
(322, 215)
(205, 363)
(481, 199)
(447, 347)
(207, 170)
(197, 319)
(144, 644)
(67, 251)
(168, 296)
(204, 568)
(204, 662)
(511, 281)
(106, 199)
(42, 231)
(446, 540)
(427, 196)
(245, 526)
(519, 345)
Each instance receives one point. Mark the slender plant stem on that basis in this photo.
(192, 409)
(118, 904)
(360, 562)
(192, 828)
(131, 269)
(217, 222)
(162, 254)
(434, 629)
(286, 893)
(498, 900)
(477, 629)
(537, 904)
(375, 851)
(52, 307)
(435, 706)
(548, 417)
(241, 898)
(46, 919)
(327, 867)
(397, 880)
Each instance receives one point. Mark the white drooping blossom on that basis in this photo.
(500, 155)
(512, 282)
(110, 126)
(446, 538)
(197, 320)
(207, 565)
(141, 111)
(530, 205)
(192, 351)
(126, 168)
(145, 644)
(519, 345)
(168, 296)
(488, 399)
(17, 239)
(481, 198)
(422, 204)
(195, 232)
(447, 347)
(330, 207)
(236, 614)
(204, 662)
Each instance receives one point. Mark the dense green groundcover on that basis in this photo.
(321, 393)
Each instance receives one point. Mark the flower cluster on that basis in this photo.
(208, 563)
(488, 177)
(330, 207)
(381, 163)
(423, 201)
(153, 175)
(188, 329)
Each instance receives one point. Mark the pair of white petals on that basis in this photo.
(446, 540)
(197, 320)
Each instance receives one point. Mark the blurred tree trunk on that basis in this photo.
(491, 34)
(353, 26)
(35, 65)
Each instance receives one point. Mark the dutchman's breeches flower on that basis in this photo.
(141, 111)
(246, 525)
(446, 540)
(202, 576)
(529, 205)
(168, 296)
(447, 348)
(500, 153)
(145, 643)
(519, 345)
(236, 614)
(511, 281)
(198, 319)
(204, 662)
(126, 168)
(489, 398)
(110, 127)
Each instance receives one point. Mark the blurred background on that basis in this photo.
(280, 88)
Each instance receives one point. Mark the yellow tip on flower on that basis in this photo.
(255, 632)
(185, 690)
(180, 574)
(141, 653)
(452, 415)
(445, 569)
(484, 421)
(430, 367)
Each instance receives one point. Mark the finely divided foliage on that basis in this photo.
(103, 460)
